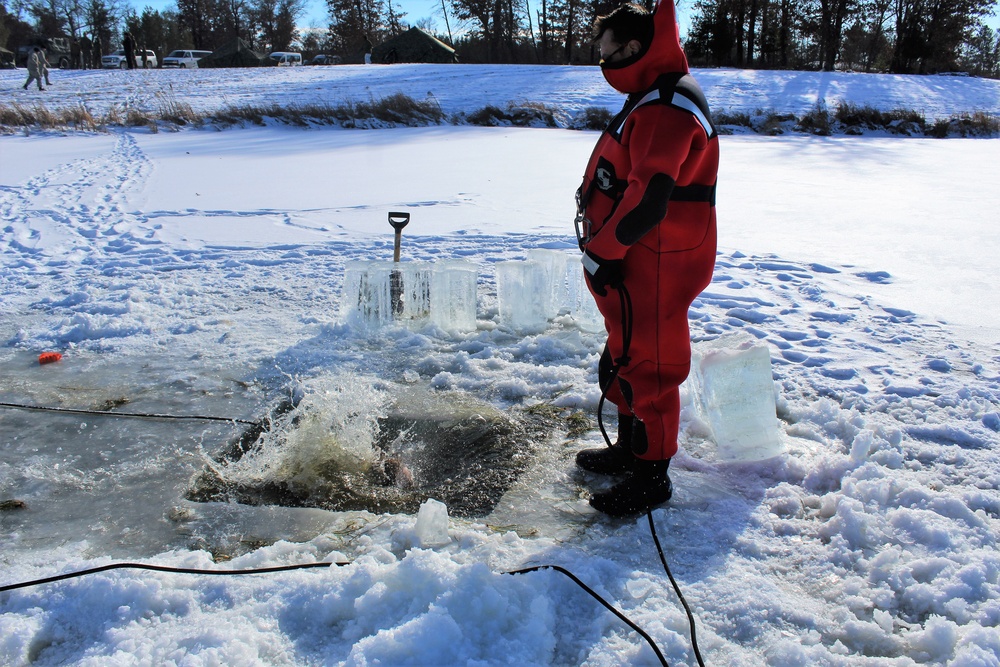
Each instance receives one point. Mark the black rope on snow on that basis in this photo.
(303, 566)
(677, 589)
(165, 568)
(605, 603)
(141, 415)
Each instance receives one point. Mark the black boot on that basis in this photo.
(648, 486)
(611, 460)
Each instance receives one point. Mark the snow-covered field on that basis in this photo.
(463, 88)
(201, 272)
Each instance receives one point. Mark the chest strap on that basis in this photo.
(676, 89)
(688, 193)
(697, 193)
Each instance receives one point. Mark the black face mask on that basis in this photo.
(608, 57)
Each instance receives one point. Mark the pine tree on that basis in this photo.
(352, 22)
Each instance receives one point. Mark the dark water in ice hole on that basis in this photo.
(460, 451)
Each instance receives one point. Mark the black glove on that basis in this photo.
(603, 273)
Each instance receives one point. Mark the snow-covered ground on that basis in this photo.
(464, 88)
(201, 272)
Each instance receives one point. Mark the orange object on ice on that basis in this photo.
(49, 357)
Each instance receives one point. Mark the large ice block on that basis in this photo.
(733, 390)
(582, 307)
(379, 292)
(521, 286)
(553, 263)
(453, 295)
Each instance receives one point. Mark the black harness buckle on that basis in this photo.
(581, 222)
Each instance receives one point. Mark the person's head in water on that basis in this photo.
(624, 33)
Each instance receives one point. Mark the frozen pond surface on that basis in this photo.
(110, 481)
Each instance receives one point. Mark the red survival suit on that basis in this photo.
(648, 198)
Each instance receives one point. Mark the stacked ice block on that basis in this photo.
(731, 388)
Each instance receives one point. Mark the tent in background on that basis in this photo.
(414, 46)
(236, 53)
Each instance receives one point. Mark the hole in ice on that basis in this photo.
(369, 446)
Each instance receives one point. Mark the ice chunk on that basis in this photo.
(519, 286)
(732, 388)
(379, 292)
(432, 524)
(553, 263)
(453, 295)
(414, 294)
(582, 307)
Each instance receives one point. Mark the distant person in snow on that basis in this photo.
(646, 225)
(97, 52)
(45, 66)
(35, 68)
(366, 49)
(86, 47)
(74, 53)
(128, 45)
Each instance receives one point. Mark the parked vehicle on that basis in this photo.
(184, 58)
(117, 60)
(286, 59)
(325, 59)
(56, 52)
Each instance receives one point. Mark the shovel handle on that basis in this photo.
(398, 220)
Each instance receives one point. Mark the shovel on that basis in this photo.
(398, 221)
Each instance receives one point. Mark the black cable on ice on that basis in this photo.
(303, 566)
(677, 589)
(140, 415)
(165, 568)
(607, 605)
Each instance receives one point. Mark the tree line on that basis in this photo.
(899, 36)
(266, 25)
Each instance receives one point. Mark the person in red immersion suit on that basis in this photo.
(646, 225)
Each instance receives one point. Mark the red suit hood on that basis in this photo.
(664, 54)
